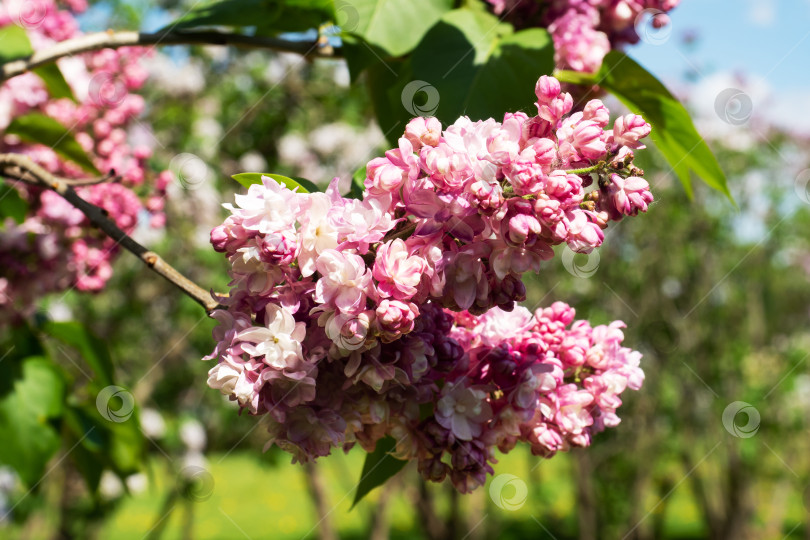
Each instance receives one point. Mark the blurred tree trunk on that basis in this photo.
(379, 518)
(701, 495)
(736, 524)
(476, 513)
(778, 509)
(432, 526)
(319, 499)
(807, 513)
(454, 518)
(665, 487)
(586, 496)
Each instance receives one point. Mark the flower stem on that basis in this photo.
(585, 170)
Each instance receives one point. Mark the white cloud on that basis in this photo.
(762, 12)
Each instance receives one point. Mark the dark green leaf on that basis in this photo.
(14, 44)
(11, 204)
(115, 445)
(93, 350)
(303, 185)
(467, 64)
(40, 129)
(378, 468)
(28, 438)
(88, 463)
(358, 184)
(673, 133)
(386, 90)
(18, 344)
(55, 82)
(267, 16)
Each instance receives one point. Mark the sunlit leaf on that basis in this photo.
(40, 129)
(28, 438)
(673, 133)
(303, 185)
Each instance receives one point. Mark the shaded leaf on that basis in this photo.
(358, 184)
(18, 343)
(673, 133)
(118, 444)
(303, 185)
(378, 468)
(12, 205)
(467, 64)
(93, 349)
(40, 129)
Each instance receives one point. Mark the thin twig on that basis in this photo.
(20, 167)
(114, 40)
(110, 177)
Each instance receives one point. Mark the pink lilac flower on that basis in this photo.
(55, 248)
(585, 30)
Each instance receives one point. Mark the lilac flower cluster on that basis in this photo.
(584, 31)
(55, 248)
(349, 320)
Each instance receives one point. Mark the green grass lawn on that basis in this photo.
(253, 499)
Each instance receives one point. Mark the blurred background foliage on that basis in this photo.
(716, 297)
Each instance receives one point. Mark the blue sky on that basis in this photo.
(768, 39)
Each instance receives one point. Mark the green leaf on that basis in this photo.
(395, 26)
(116, 445)
(467, 64)
(18, 343)
(303, 185)
(673, 132)
(379, 466)
(267, 16)
(385, 88)
(55, 82)
(93, 349)
(29, 439)
(11, 204)
(88, 463)
(14, 44)
(40, 129)
(358, 184)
